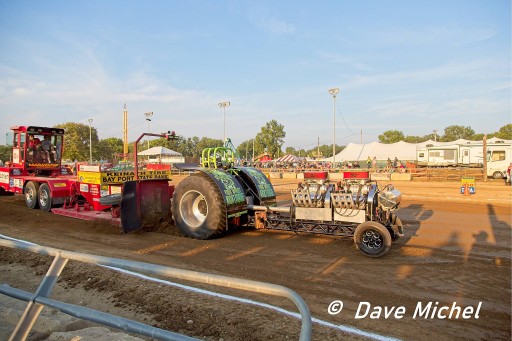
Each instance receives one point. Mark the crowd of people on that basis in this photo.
(371, 164)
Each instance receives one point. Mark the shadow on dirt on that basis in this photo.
(412, 216)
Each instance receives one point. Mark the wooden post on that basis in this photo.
(485, 157)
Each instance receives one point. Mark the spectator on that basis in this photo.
(368, 162)
(374, 163)
(395, 163)
(509, 180)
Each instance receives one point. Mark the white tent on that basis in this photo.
(360, 152)
(162, 154)
(159, 151)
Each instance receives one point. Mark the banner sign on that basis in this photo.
(108, 178)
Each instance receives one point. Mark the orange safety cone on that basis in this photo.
(466, 190)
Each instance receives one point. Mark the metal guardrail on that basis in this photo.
(39, 299)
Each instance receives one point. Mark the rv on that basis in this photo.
(499, 156)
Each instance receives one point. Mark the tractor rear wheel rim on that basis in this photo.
(43, 198)
(193, 209)
(372, 239)
(29, 195)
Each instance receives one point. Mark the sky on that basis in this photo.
(412, 66)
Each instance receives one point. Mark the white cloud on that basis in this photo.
(268, 22)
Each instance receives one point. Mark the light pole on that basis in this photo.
(90, 140)
(223, 105)
(334, 92)
(148, 118)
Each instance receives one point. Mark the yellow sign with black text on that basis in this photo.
(109, 178)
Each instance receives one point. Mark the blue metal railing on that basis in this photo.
(39, 299)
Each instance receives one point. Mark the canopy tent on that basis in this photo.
(159, 151)
(403, 151)
(360, 152)
(288, 159)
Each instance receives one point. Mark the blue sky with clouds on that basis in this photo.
(413, 66)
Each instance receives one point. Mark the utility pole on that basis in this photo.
(334, 92)
(90, 141)
(318, 149)
(253, 150)
(485, 156)
(361, 136)
(435, 135)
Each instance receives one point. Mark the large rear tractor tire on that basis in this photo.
(45, 198)
(372, 239)
(198, 208)
(30, 192)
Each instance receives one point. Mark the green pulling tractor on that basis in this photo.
(220, 196)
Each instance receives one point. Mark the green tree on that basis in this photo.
(391, 136)
(206, 142)
(245, 149)
(417, 139)
(455, 132)
(478, 137)
(326, 150)
(76, 141)
(505, 132)
(5, 153)
(109, 148)
(115, 144)
(188, 147)
(291, 150)
(270, 138)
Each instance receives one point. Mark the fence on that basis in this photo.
(416, 173)
(446, 174)
(40, 298)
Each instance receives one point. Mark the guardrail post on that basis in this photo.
(33, 309)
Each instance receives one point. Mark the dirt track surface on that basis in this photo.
(456, 249)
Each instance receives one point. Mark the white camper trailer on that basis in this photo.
(499, 156)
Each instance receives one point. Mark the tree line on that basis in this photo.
(451, 133)
(269, 140)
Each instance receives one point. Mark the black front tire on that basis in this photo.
(45, 198)
(198, 208)
(497, 175)
(372, 239)
(30, 192)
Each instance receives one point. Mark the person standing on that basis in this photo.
(368, 162)
(374, 163)
(509, 180)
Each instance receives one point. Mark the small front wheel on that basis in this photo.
(372, 239)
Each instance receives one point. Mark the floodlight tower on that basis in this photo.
(334, 92)
(148, 118)
(223, 105)
(125, 132)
